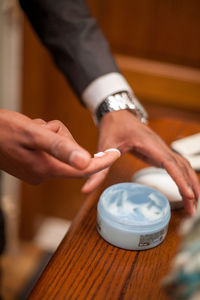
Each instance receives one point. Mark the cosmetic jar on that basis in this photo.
(133, 216)
(159, 179)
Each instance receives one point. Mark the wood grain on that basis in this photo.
(86, 267)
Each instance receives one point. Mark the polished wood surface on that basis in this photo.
(86, 267)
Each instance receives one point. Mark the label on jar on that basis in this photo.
(153, 238)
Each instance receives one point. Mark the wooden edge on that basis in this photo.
(159, 68)
(162, 83)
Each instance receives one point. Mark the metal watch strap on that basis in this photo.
(120, 101)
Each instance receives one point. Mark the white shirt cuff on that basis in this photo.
(102, 87)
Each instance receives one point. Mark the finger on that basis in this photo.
(180, 174)
(194, 180)
(40, 121)
(58, 127)
(63, 148)
(55, 126)
(189, 205)
(94, 181)
(194, 183)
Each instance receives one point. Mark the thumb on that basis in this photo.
(64, 148)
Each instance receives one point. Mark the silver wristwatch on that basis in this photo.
(119, 101)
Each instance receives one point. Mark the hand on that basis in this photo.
(125, 132)
(35, 151)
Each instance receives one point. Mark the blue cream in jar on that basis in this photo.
(133, 216)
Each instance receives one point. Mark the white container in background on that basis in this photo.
(159, 179)
(133, 216)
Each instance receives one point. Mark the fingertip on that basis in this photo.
(187, 193)
(190, 207)
(86, 188)
(94, 181)
(90, 185)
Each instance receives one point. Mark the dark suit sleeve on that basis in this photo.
(73, 37)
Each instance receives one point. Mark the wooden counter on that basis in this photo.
(86, 267)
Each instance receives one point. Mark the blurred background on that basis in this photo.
(157, 46)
